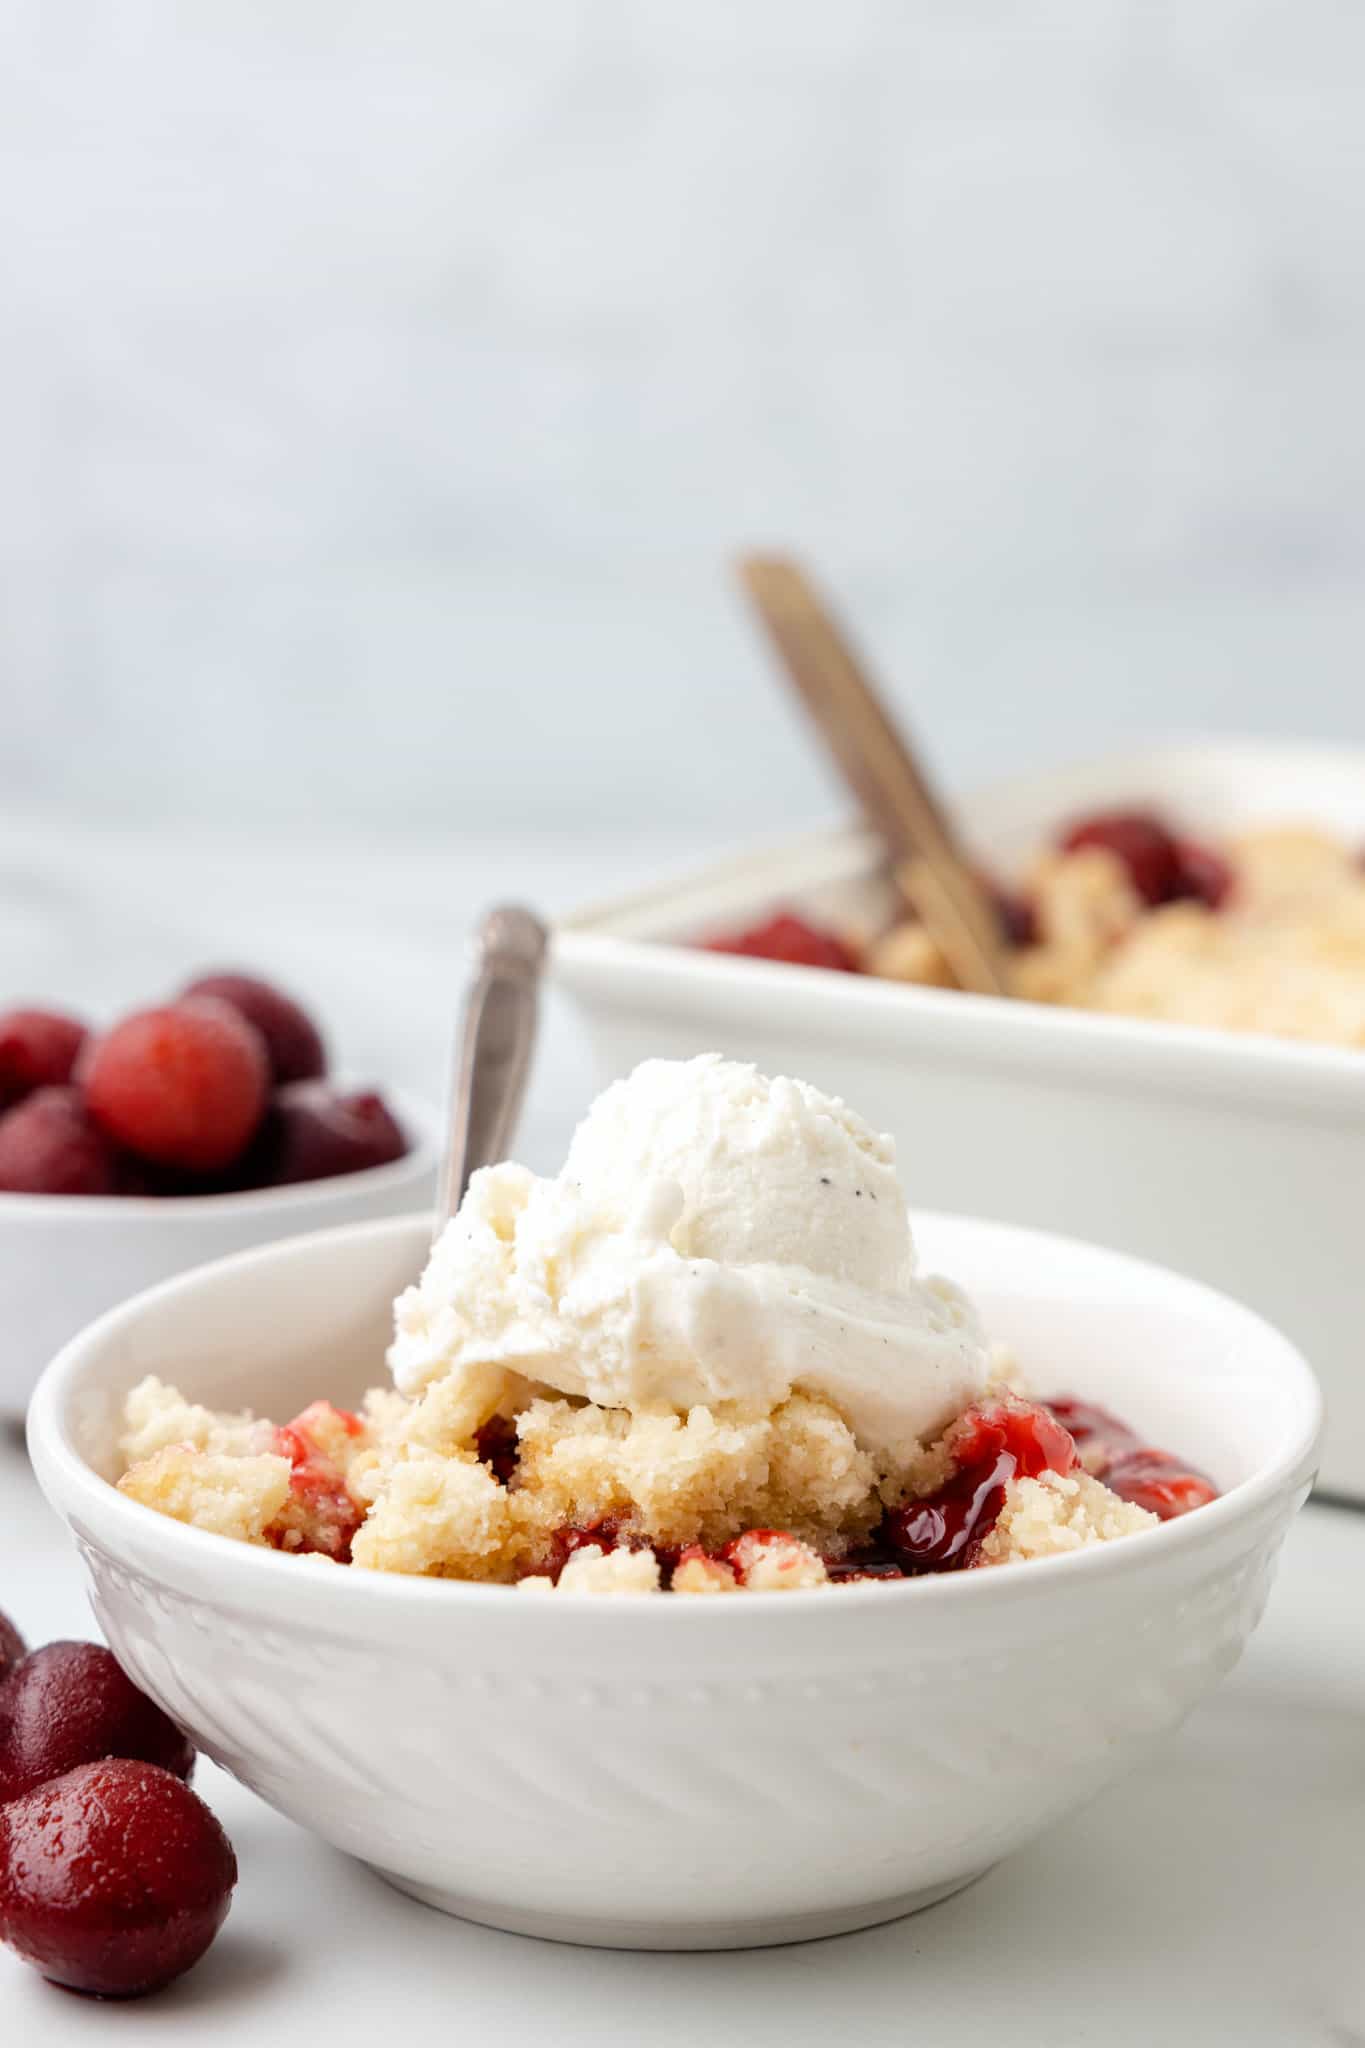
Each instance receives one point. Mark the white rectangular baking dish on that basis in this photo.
(1238, 1159)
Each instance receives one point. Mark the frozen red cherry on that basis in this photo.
(38, 1049)
(183, 1086)
(72, 1703)
(312, 1133)
(50, 1145)
(114, 1878)
(12, 1646)
(791, 939)
(292, 1039)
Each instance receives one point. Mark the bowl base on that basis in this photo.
(593, 1931)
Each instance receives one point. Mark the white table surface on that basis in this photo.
(1214, 1898)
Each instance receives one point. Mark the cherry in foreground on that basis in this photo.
(114, 1879)
(72, 1703)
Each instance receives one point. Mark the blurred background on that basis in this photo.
(386, 387)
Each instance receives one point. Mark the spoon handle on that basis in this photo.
(880, 766)
(493, 1054)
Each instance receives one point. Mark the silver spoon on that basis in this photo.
(493, 1051)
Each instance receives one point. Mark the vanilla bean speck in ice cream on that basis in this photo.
(714, 1236)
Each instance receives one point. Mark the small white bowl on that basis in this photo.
(1233, 1157)
(658, 1773)
(64, 1259)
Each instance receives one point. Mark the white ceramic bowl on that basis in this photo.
(64, 1259)
(649, 1772)
(1239, 1159)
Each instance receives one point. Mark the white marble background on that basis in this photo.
(384, 384)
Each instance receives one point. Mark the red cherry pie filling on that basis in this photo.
(992, 1444)
(792, 939)
(319, 1514)
(572, 1497)
(1134, 1470)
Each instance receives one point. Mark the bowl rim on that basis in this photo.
(68, 1480)
(1300, 1073)
(421, 1124)
(1192, 1057)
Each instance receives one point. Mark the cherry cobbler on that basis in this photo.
(1264, 932)
(595, 1500)
(700, 1359)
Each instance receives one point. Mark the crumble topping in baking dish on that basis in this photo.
(1264, 933)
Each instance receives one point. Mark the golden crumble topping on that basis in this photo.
(697, 1572)
(1284, 954)
(229, 1494)
(593, 1570)
(1058, 1512)
(442, 1516)
(584, 1499)
(770, 1561)
(156, 1416)
(699, 1478)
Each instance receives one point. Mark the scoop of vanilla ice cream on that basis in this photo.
(713, 1236)
(771, 1172)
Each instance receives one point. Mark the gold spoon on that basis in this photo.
(878, 765)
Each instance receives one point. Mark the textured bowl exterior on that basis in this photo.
(692, 1794)
(1234, 1158)
(66, 1259)
(654, 1773)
